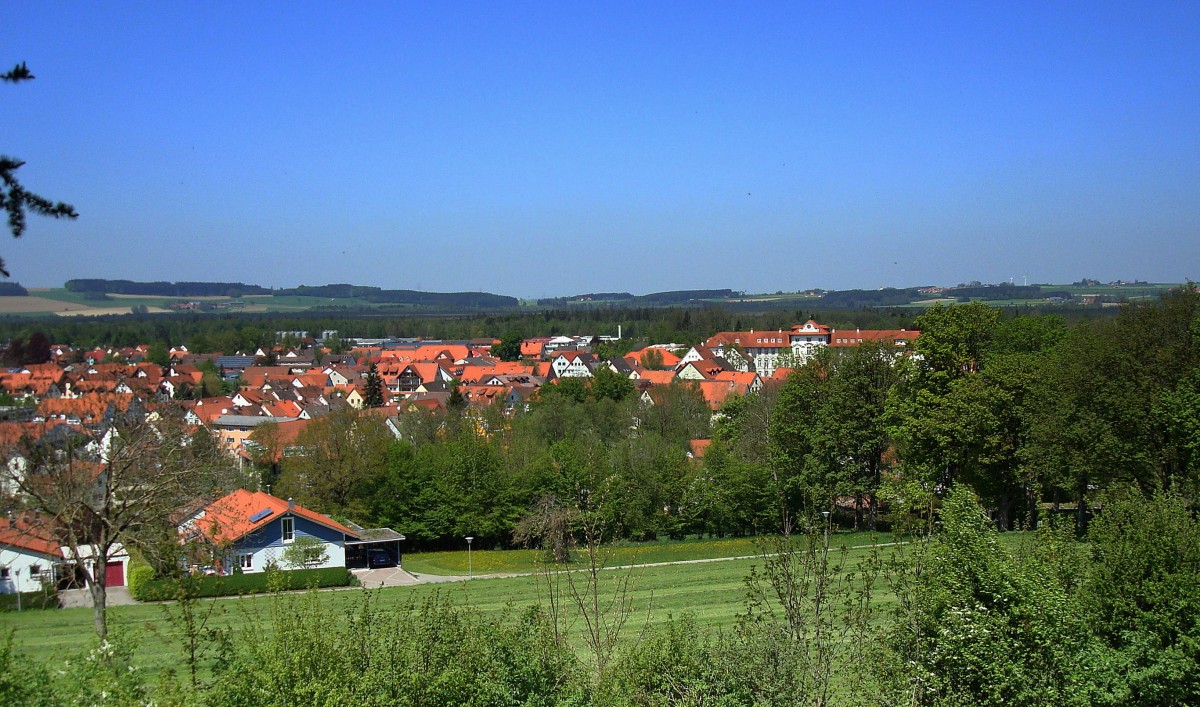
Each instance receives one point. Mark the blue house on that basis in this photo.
(252, 530)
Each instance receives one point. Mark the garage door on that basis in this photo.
(114, 574)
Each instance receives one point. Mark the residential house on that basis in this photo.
(251, 530)
(573, 364)
(29, 555)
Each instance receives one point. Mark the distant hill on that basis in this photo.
(466, 300)
(655, 299)
(165, 289)
(12, 289)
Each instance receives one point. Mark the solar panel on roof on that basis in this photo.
(260, 515)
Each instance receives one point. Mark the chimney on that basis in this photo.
(291, 504)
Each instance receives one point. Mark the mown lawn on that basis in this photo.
(625, 553)
(714, 593)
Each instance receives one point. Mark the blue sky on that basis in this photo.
(559, 148)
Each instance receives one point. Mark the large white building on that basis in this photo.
(765, 350)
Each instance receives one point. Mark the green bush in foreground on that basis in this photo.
(234, 584)
(427, 653)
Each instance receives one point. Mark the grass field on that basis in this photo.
(713, 593)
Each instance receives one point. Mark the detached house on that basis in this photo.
(573, 364)
(252, 529)
(28, 556)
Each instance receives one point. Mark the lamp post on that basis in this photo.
(470, 573)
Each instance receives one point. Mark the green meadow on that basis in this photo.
(710, 589)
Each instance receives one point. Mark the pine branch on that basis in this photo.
(18, 73)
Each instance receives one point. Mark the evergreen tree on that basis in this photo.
(13, 197)
(372, 388)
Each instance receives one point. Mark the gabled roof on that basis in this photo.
(228, 518)
(657, 377)
(89, 408)
(27, 534)
(669, 359)
(12, 433)
(744, 379)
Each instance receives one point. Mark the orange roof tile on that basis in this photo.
(28, 534)
(669, 359)
(89, 407)
(657, 377)
(855, 337)
(227, 519)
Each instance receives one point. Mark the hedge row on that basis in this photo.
(234, 584)
(41, 599)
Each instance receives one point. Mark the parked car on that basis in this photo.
(380, 558)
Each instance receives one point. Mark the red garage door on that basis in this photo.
(114, 574)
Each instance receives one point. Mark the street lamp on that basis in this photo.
(469, 570)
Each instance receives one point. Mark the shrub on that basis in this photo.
(256, 583)
(138, 576)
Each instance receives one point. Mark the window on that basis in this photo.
(246, 561)
(3, 573)
(289, 529)
(35, 569)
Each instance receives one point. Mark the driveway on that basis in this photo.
(385, 577)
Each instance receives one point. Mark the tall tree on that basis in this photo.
(372, 388)
(509, 348)
(341, 453)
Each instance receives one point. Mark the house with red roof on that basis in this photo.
(28, 555)
(250, 530)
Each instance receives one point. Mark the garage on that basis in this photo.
(379, 547)
(114, 574)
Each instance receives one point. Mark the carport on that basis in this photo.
(384, 539)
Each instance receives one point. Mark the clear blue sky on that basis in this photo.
(560, 148)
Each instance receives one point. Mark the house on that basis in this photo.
(250, 531)
(28, 556)
(573, 364)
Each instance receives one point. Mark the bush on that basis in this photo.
(138, 576)
(257, 583)
(46, 598)
(427, 653)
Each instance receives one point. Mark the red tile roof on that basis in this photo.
(27, 534)
(227, 519)
(855, 337)
(669, 359)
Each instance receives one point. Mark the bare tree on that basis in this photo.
(99, 493)
(603, 594)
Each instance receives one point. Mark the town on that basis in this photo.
(86, 392)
